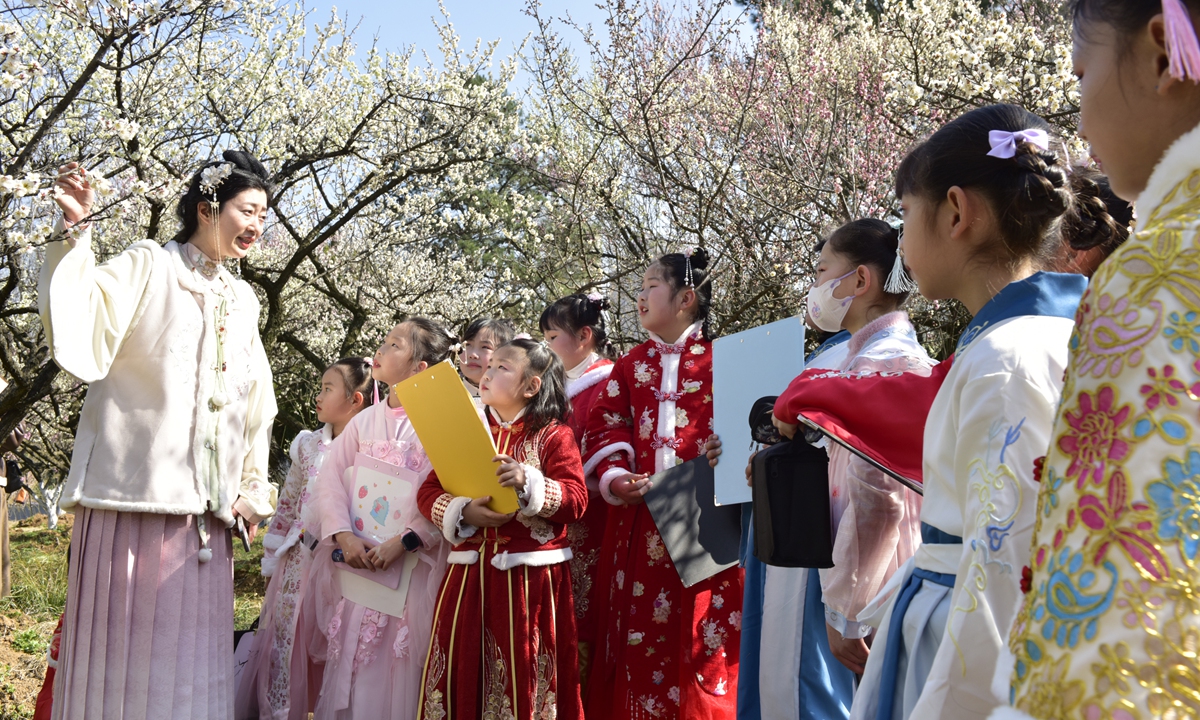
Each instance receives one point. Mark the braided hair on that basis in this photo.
(1028, 192)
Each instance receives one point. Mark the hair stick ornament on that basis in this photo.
(1183, 47)
(687, 259)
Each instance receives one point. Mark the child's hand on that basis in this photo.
(477, 513)
(712, 449)
(851, 652)
(355, 551)
(750, 469)
(386, 553)
(630, 488)
(788, 430)
(511, 472)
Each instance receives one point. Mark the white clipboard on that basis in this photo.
(749, 365)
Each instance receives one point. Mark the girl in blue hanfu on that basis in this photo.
(982, 198)
(666, 651)
(761, 671)
(875, 518)
(279, 681)
(1110, 624)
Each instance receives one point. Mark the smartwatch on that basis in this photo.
(411, 541)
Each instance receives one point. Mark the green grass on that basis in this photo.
(39, 571)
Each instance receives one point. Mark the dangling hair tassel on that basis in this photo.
(898, 280)
(1183, 47)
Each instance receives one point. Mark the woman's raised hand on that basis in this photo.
(75, 195)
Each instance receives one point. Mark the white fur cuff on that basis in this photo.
(606, 452)
(453, 528)
(606, 482)
(533, 497)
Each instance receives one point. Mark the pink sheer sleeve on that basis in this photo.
(332, 496)
(876, 534)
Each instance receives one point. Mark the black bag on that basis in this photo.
(12, 476)
(792, 525)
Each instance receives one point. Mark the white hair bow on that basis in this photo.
(1004, 143)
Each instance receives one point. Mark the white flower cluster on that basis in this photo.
(212, 177)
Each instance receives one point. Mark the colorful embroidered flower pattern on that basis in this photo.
(1071, 600)
(1176, 500)
(1094, 437)
(1184, 332)
(1164, 387)
(1115, 520)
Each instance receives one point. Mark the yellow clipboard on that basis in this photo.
(457, 442)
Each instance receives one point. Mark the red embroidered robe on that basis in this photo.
(587, 534)
(668, 652)
(504, 629)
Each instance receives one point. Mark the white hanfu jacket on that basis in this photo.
(140, 329)
(990, 420)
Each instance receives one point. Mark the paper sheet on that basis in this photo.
(746, 366)
(702, 538)
(453, 434)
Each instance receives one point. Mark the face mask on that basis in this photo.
(827, 312)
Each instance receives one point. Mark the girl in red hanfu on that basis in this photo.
(668, 651)
(504, 630)
(575, 329)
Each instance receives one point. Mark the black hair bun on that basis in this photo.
(1099, 218)
(1046, 191)
(699, 259)
(245, 162)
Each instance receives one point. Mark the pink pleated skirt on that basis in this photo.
(148, 628)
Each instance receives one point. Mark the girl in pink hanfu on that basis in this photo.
(373, 661)
(280, 682)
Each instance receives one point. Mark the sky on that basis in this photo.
(399, 23)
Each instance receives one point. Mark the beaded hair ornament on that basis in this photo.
(211, 179)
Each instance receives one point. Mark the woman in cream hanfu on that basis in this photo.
(1110, 625)
(171, 449)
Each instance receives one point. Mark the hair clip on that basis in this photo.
(1004, 143)
(212, 177)
(522, 336)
